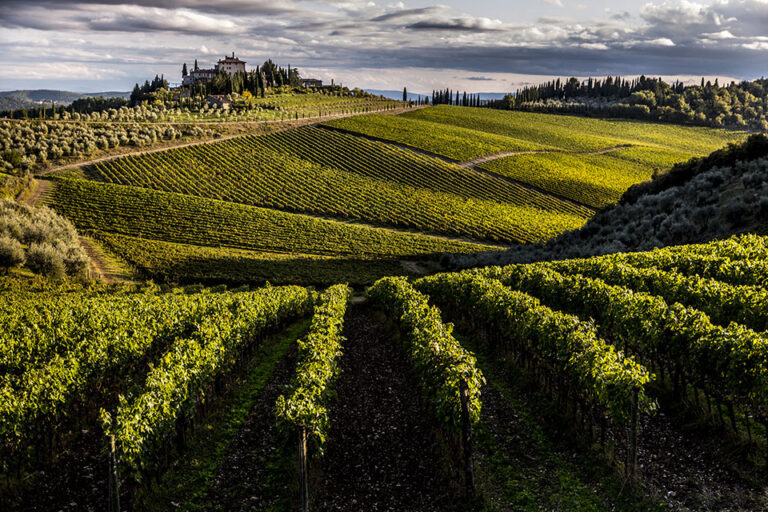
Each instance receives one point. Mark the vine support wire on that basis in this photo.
(113, 479)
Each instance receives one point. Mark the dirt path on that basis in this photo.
(41, 187)
(99, 267)
(496, 156)
(281, 125)
(246, 478)
(381, 454)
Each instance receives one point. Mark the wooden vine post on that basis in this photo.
(466, 438)
(633, 433)
(114, 481)
(303, 470)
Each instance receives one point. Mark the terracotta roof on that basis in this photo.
(230, 59)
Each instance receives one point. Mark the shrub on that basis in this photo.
(47, 260)
(76, 261)
(11, 253)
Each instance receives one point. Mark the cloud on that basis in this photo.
(662, 41)
(723, 34)
(756, 45)
(140, 19)
(408, 13)
(465, 23)
(147, 37)
(480, 78)
(556, 3)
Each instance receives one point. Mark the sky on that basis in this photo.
(477, 45)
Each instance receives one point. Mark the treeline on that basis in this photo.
(739, 106)
(449, 97)
(610, 88)
(148, 90)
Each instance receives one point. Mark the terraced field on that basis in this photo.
(175, 262)
(577, 134)
(596, 180)
(589, 161)
(188, 219)
(243, 170)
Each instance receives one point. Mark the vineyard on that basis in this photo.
(308, 346)
(259, 174)
(578, 134)
(614, 347)
(594, 180)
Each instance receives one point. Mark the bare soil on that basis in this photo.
(382, 453)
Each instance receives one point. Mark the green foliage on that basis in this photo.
(60, 349)
(184, 376)
(736, 106)
(311, 392)
(49, 243)
(193, 220)
(594, 369)
(438, 359)
(731, 363)
(243, 170)
(739, 260)
(723, 303)
(11, 253)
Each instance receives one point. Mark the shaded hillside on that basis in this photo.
(12, 100)
(697, 201)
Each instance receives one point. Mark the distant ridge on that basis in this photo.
(10, 100)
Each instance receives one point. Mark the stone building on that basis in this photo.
(230, 65)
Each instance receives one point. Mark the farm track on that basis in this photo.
(245, 479)
(282, 125)
(98, 265)
(381, 453)
(38, 193)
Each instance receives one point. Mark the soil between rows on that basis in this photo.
(382, 453)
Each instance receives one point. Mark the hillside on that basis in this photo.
(12, 100)
(633, 381)
(697, 201)
(385, 185)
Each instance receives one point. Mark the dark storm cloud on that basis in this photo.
(457, 24)
(653, 60)
(670, 38)
(407, 13)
